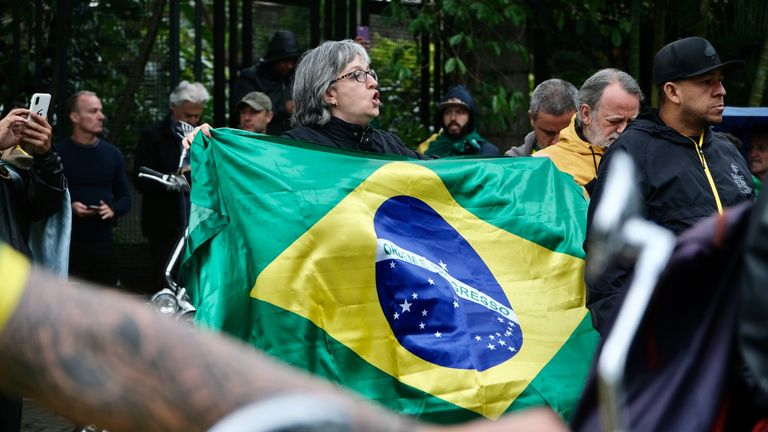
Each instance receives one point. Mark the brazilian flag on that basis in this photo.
(447, 289)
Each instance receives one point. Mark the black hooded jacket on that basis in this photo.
(261, 77)
(674, 186)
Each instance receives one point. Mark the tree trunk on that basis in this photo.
(758, 87)
(136, 73)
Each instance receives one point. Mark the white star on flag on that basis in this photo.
(431, 282)
(397, 315)
(424, 312)
(415, 296)
(491, 347)
(392, 264)
(406, 306)
(422, 325)
(443, 265)
(477, 338)
(438, 334)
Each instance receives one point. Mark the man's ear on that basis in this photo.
(74, 117)
(530, 118)
(270, 114)
(585, 113)
(671, 92)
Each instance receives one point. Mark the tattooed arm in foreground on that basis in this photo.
(97, 356)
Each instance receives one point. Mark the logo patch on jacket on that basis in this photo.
(739, 180)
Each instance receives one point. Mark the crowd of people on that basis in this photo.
(329, 96)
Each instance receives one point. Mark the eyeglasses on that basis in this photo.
(361, 76)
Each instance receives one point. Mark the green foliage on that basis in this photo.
(396, 62)
(471, 33)
(102, 48)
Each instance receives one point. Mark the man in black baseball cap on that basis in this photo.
(687, 58)
(686, 171)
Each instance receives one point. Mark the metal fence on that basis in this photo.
(64, 46)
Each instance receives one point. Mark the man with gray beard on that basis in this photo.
(608, 101)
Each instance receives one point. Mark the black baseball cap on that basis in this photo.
(687, 58)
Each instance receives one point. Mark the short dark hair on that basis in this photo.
(73, 100)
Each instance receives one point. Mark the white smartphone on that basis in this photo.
(39, 104)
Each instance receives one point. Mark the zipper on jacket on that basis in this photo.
(700, 153)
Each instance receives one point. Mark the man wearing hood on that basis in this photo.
(608, 101)
(685, 171)
(272, 76)
(456, 111)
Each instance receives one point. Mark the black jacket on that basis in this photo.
(260, 78)
(674, 187)
(340, 134)
(37, 195)
(162, 212)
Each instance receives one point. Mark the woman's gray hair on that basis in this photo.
(314, 73)
(189, 92)
(592, 91)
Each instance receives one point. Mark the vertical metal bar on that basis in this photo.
(63, 25)
(352, 19)
(365, 13)
(437, 67)
(314, 23)
(15, 66)
(233, 50)
(425, 101)
(198, 40)
(173, 43)
(328, 20)
(219, 63)
(340, 28)
(247, 33)
(38, 50)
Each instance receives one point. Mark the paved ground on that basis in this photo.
(37, 419)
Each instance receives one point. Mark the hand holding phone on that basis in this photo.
(39, 104)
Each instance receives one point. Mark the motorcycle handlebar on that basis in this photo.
(150, 171)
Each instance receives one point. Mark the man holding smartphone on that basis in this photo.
(32, 187)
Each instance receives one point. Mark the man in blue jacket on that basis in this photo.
(456, 112)
(686, 172)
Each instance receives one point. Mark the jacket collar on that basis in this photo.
(650, 122)
(570, 140)
(342, 131)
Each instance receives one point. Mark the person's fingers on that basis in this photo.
(19, 113)
(205, 128)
